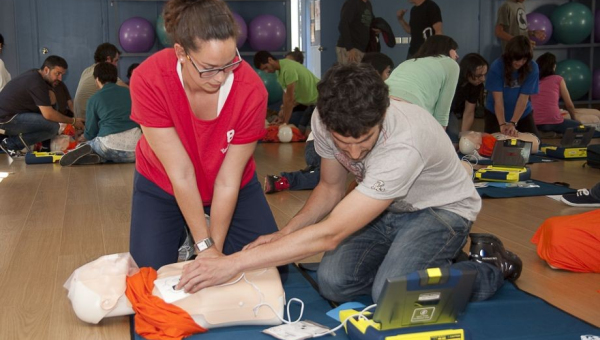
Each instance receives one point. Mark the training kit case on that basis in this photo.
(573, 143)
(422, 305)
(42, 157)
(508, 162)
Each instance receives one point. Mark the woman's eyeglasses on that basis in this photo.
(209, 73)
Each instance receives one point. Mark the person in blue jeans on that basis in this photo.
(28, 115)
(308, 178)
(413, 207)
(110, 135)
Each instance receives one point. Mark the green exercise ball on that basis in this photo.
(577, 75)
(273, 88)
(161, 32)
(572, 23)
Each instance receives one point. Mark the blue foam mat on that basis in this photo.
(511, 314)
(543, 190)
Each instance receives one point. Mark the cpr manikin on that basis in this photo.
(471, 142)
(97, 290)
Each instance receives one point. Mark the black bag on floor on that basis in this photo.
(593, 156)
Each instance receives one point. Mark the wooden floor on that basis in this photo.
(53, 220)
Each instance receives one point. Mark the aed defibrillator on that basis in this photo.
(423, 305)
(573, 144)
(508, 162)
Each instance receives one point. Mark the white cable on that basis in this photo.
(359, 316)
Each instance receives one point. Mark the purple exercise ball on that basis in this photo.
(266, 33)
(136, 35)
(242, 30)
(596, 85)
(538, 21)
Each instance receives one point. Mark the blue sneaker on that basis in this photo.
(582, 198)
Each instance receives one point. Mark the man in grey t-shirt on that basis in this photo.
(512, 21)
(412, 209)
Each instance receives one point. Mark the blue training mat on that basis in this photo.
(543, 190)
(510, 314)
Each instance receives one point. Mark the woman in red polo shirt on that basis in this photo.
(202, 110)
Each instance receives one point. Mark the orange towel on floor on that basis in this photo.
(154, 318)
(571, 242)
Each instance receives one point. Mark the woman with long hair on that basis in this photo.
(469, 90)
(511, 80)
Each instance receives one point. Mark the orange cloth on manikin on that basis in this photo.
(487, 145)
(154, 318)
(570, 242)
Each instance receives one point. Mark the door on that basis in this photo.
(71, 29)
(314, 31)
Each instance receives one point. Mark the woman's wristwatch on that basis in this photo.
(204, 244)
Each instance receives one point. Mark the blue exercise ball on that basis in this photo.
(572, 23)
(577, 75)
(161, 32)
(273, 88)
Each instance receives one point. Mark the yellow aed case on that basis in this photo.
(573, 144)
(508, 162)
(422, 305)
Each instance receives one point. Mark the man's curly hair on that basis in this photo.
(352, 99)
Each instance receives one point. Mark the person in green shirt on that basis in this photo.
(429, 80)
(299, 84)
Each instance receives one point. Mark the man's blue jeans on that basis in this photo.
(301, 180)
(108, 154)
(396, 244)
(31, 127)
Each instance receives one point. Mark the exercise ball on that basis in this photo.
(242, 30)
(577, 75)
(596, 85)
(266, 33)
(273, 88)
(538, 21)
(161, 32)
(136, 35)
(572, 23)
(285, 134)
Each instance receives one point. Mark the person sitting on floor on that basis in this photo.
(110, 135)
(412, 209)
(27, 112)
(308, 178)
(552, 87)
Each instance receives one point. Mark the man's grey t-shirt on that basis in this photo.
(413, 162)
(512, 17)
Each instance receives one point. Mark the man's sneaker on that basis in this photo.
(89, 159)
(274, 183)
(487, 248)
(72, 156)
(582, 198)
(10, 152)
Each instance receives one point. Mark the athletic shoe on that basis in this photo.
(275, 183)
(72, 156)
(10, 152)
(487, 248)
(582, 198)
(89, 159)
(186, 251)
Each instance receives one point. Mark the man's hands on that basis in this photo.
(79, 123)
(400, 14)
(209, 268)
(265, 239)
